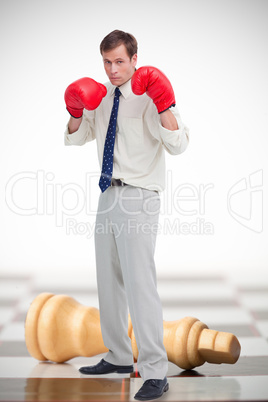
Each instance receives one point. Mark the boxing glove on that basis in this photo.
(157, 86)
(84, 93)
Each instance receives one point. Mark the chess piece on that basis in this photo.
(58, 328)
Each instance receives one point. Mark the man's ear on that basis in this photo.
(134, 59)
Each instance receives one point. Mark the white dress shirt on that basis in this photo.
(141, 140)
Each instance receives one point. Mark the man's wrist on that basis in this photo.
(74, 124)
(168, 120)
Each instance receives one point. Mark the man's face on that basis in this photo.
(118, 66)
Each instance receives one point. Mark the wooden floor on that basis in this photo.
(238, 308)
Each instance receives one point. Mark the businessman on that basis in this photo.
(135, 120)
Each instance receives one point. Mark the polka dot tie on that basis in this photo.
(108, 153)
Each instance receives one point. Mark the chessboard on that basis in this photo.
(223, 304)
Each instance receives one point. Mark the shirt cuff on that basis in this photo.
(79, 137)
(175, 142)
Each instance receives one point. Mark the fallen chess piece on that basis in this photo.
(58, 328)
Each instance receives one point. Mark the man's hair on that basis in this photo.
(117, 38)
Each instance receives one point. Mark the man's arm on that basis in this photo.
(74, 124)
(168, 120)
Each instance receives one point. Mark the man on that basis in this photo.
(144, 122)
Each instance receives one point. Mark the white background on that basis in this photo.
(215, 54)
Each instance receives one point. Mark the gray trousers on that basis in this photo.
(125, 236)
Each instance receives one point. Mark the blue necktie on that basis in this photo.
(108, 153)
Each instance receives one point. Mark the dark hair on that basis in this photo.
(117, 38)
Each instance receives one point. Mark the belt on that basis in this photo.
(117, 182)
(120, 183)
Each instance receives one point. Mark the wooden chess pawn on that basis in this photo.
(58, 328)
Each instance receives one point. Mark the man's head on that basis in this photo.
(119, 53)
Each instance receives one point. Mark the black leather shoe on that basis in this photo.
(104, 367)
(152, 389)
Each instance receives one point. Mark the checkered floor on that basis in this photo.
(221, 303)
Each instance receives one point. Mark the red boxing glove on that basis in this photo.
(84, 93)
(152, 81)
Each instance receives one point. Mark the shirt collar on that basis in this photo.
(125, 89)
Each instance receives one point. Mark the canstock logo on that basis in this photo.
(245, 201)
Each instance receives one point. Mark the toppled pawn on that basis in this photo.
(58, 328)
